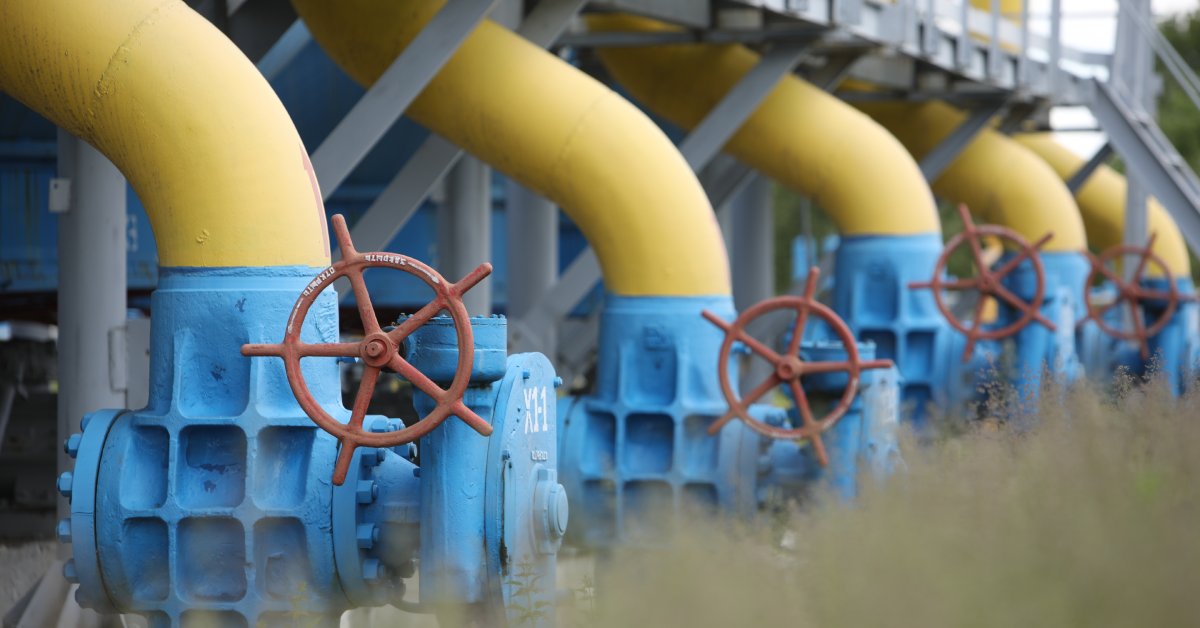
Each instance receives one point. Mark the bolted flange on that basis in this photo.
(63, 530)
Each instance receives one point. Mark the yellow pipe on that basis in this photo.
(557, 131)
(800, 135)
(1000, 180)
(1102, 203)
(183, 114)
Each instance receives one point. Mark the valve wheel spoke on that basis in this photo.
(328, 350)
(366, 310)
(410, 324)
(1022, 306)
(810, 424)
(1131, 293)
(789, 368)
(406, 370)
(758, 347)
(378, 351)
(988, 282)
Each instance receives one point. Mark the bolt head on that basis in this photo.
(374, 570)
(69, 572)
(83, 423)
(367, 491)
(64, 484)
(558, 382)
(367, 534)
(72, 445)
(369, 457)
(63, 530)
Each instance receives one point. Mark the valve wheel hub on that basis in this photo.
(1131, 293)
(989, 282)
(789, 367)
(379, 349)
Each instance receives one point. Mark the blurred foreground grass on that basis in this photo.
(1087, 515)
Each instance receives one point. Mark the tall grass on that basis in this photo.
(1087, 515)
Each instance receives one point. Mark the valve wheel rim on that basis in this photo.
(379, 349)
(1131, 293)
(989, 283)
(790, 368)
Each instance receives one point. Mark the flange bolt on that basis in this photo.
(72, 445)
(367, 491)
(64, 484)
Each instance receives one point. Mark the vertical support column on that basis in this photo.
(1055, 45)
(753, 253)
(1023, 63)
(532, 255)
(465, 229)
(91, 290)
(1132, 67)
(752, 259)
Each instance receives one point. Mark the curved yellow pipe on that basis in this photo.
(1102, 203)
(800, 135)
(183, 114)
(557, 131)
(1000, 180)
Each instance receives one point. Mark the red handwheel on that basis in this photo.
(1131, 293)
(989, 282)
(379, 349)
(789, 367)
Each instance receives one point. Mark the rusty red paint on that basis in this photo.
(1131, 293)
(989, 282)
(790, 368)
(379, 349)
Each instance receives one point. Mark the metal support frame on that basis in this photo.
(436, 155)
(706, 140)
(1149, 156)
(290, 44)
(953, 145)
(378, 109)
(1081, 176)
(837, 67)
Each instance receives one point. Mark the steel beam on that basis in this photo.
(356, 134)
(723, 179)
(837, 67)
(953, 145)
(1150, 156)
(384, 219)
(706, 140)
(285, 50)
(1081, 176)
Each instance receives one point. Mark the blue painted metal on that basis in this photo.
(864, 441)
(214, 504)
(637, 448)
(637, 452)
(501, 489)
(1040, 350)
(871, 293)
(1175, 350)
